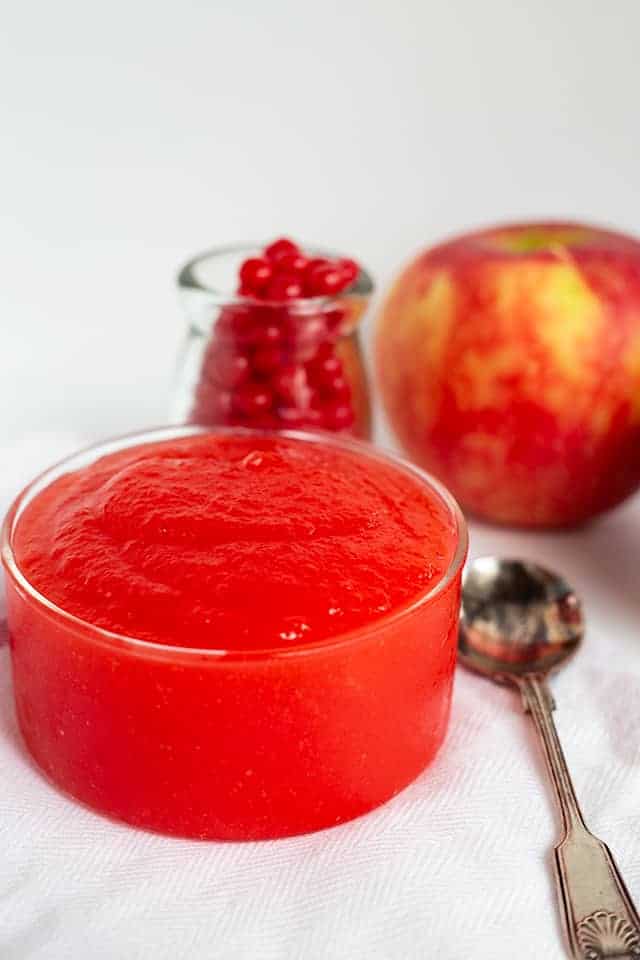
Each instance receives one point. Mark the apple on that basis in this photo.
(508, 360)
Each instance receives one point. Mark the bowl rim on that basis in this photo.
(176, 653)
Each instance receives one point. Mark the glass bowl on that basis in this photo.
(231, 744)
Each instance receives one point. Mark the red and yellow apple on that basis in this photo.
(509, 366)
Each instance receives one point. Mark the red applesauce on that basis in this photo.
(233, 635)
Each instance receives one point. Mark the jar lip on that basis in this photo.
(188, 281)
(173, 652)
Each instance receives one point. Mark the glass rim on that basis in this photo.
(176, 653)
(188, 281)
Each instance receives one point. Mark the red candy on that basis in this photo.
(295, 262)
(280, 248)
(324, 280)
(271, 363)
(255, 274)
(289, 383)
(285, 286)
(231, 370)
(266, 359)
(337, 387)
(253, 398)
(326, 366)
(338, 416)
(349, 269)
(270, 334)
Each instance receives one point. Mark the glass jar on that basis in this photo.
(255, 363)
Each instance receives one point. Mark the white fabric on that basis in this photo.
(457, 866)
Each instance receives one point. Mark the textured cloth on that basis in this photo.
(457, 866)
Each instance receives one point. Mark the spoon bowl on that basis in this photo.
(516, 618)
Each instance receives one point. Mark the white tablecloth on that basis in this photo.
(457, 866)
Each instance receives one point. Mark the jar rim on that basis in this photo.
(174, 652)
(188, 281)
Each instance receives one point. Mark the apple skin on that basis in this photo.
(509, 366)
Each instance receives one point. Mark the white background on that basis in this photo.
(137, 132)
(134, 134)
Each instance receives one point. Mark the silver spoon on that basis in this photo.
(518, 623)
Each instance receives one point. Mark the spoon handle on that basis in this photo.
(601, 920)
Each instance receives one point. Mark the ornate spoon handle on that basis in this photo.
(600, 917)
